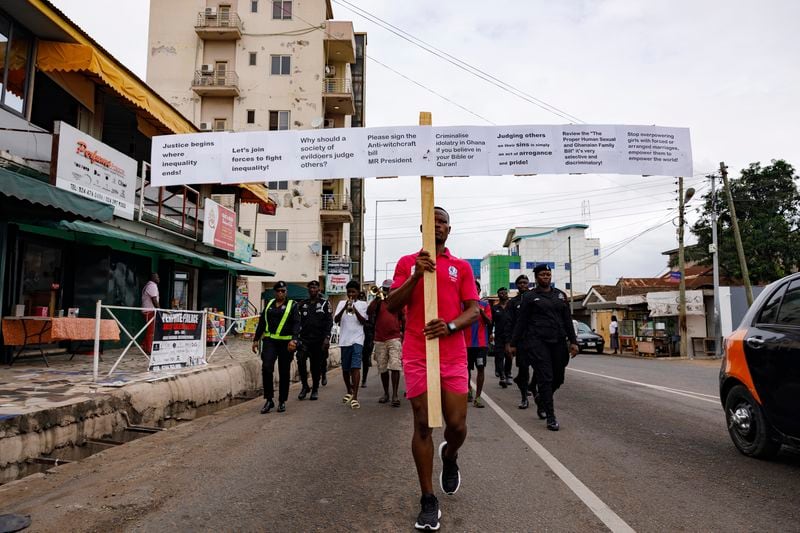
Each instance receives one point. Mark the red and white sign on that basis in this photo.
(91, 169)
(219, 226)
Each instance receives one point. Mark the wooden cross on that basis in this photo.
(431, 297)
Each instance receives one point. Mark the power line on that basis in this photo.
(463, 65)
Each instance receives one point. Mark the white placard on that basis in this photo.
(667, 303)
(89, 168)
(420, 150)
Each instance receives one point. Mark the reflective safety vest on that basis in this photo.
(277, 335)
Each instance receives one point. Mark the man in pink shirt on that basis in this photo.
(458, 308)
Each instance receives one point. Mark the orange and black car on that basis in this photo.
(760, 375)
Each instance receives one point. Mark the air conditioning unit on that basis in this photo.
(330, 123)
(211, 12)
(330, 71)
(205, 126)
(207, 69)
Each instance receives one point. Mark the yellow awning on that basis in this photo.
(66, 57)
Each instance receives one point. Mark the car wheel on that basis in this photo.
(748, 428)
(599, 349)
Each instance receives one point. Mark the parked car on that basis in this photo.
(760, 375)
(587, 338)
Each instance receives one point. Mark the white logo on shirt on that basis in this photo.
(453, 271)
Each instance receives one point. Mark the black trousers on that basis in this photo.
(276, 350)
(311, 352)
(502, 363)
(550, 360)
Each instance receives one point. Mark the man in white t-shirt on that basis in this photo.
(351, 315)
(149, 305)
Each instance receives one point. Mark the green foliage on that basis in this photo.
(767, 204)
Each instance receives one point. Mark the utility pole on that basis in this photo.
(569, 252)
(714, 250)
(736, 235)
(682, 268)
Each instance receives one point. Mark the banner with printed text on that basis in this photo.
(178, 340)
(420, 151)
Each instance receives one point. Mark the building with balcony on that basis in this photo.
(271, 65)
(79, 220)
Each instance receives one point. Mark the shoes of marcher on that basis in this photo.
(523, 404)
(497, 374)
(303, 393)
(469, 395)
(324, 380)
(540, 411)
(314, 395)
(552, 423)
(281, 407)
(478, 402)
(450, 478)
(363, 384)
(503, 383)
(268, 406)
(509, 381)
(530, 393)
(429, 514)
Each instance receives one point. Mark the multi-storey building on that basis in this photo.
(531, 246)
(271, 65)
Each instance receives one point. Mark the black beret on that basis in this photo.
(542, 267)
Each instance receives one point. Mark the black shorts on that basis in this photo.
(477, 357)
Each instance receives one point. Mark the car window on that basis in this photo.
(769, 312)
(583, 328)
(789, 313)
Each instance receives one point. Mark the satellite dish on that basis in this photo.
(317, 122)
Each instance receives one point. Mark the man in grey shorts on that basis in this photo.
(388, 342)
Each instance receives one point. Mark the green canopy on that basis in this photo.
(39, 193)
(111, 232)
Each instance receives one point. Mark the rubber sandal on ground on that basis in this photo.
(346, 398)
(395, 403)
(384, 399)
(354, 404)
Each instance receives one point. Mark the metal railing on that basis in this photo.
(218, 20)
(227, 78)
(335, 202)
(337, 85)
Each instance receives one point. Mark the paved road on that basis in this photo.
(643, 446)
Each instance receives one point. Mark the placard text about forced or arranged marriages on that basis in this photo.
(420, 151)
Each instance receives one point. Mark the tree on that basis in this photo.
(767, 205)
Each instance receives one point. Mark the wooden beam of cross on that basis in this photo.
(431, 297)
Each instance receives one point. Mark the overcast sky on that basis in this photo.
(727, 69)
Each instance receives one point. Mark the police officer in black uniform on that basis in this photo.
(280, 325)
(500, 314)
(512, 350)
(316, 320)
(543, 326)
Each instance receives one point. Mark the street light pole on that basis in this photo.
(682, 329)
(375, 246)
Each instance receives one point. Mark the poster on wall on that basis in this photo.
(337, 278)
(667, 303)
(242, 157)
(178, 340)
(219, 226)
(91, 169)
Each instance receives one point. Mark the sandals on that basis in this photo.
(395, 403)
(347, 398)
(354, 404)
(384, 399)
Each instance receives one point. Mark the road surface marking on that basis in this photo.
(589, 498)
(689, 394)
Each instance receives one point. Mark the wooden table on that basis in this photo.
(30, 331)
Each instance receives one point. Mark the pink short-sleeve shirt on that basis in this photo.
(455, 285)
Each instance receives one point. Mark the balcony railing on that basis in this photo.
(216, 83)
(338, 86)
(220, 20)
(335, 202)
(175, 209)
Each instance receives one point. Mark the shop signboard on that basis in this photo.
(337, 277)
(219, 226)
(244, 248)
(178, 340)
(91, 169)
(667, 303)
(256, 156)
